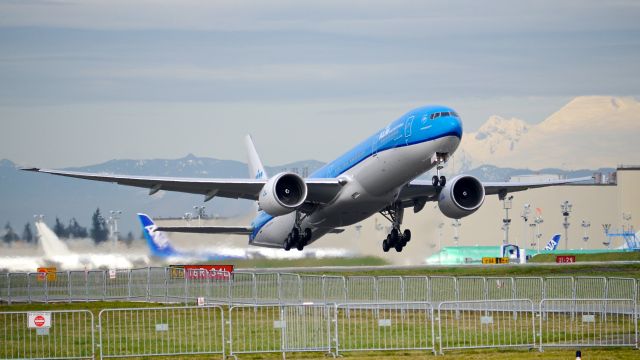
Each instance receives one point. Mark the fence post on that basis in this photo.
(104, 285)
(279, 288)
(402, 295)
(186, 288)
(375, 289)
(148, 283)
(69, 284)
(9, 288)
(129, 284)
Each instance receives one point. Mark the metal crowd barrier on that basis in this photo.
(588, 323)
(330, 328)
(166, 331)
(486, 324)
(384, 326)
(47, 335)
(170, 285)
(255, 329)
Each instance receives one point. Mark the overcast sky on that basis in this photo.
(83, 82)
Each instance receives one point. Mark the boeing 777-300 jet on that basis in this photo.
(378, 175)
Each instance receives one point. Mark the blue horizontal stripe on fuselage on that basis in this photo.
(391, 137)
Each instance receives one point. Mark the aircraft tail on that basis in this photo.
(553, 243)
(158, 241)
(49, 241)
(256, 169)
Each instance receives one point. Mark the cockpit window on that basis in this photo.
(453, 113)
(435, 116)
(446, 113)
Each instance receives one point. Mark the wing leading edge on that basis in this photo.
(319, 190)
(418, 192)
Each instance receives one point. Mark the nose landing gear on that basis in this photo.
(438, 180)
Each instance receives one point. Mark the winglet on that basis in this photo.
(158, 241)
(256, 169)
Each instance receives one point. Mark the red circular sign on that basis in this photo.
(39, 320)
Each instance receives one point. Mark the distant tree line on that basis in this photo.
(99, 231)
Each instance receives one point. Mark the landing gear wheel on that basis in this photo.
(434, 180)
(395, 236)
(300, 245)
(443, 180)
(406, 235)
(287, 243)
(385, 245)
(307, 235)
(398, 247)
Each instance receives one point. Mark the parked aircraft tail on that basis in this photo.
(553, 243)
(256, 169)
(158, 241)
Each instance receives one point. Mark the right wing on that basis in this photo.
(318, 190)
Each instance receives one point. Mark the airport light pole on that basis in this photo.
(188, 217)
(607, 241)
(200, 212)
(585, 227)
(113, 221)
(539, 220)
(525, 216)
(506, 205)
(456, 235)
(566, 208)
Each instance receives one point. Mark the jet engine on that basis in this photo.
(461, 196)
(282, 194)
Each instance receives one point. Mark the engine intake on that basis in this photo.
(461, 196)
(282, 194)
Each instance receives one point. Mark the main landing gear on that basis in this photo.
(395, 239)
(297, 238)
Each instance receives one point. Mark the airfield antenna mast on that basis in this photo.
(607, 240)
(566, 208)
(456, 235)
(525, 216)
(113, 222)
(506, 205)
(585, 227)
(539, 220)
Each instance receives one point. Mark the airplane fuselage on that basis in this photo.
(373, 173)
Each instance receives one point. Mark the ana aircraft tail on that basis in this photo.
(158, 241)
(553, 243)
(256, 169)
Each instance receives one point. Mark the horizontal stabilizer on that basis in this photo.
(239, 230)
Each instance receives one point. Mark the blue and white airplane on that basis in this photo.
(377, 175)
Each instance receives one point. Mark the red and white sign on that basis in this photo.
(38, 320)
(218, 272)
(565, 259)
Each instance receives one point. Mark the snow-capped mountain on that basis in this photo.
(588, 132)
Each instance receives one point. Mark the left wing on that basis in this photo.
(418, 192)
(318, 190)
(240, 230)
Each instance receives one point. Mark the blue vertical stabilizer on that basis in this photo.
(158, 241)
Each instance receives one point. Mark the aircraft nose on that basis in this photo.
(455, 126)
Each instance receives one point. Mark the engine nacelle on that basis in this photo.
(282, 194)
(461, 196)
